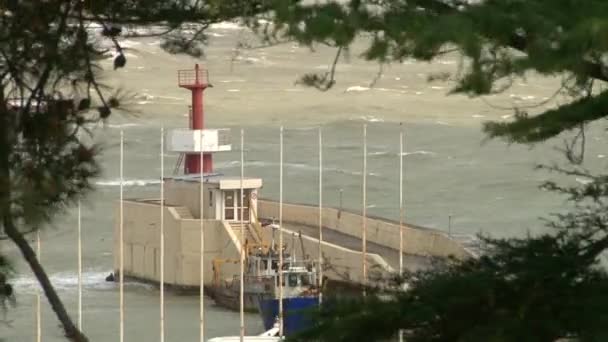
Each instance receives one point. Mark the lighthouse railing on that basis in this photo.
(189, 77)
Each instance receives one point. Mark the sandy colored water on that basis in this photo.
(488, 187)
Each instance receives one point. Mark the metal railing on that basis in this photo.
(192, 77)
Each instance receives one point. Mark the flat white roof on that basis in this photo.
(224, 182)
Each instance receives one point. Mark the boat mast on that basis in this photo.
(364, 209)
(241, 290)
(202, 260)
(162, 235)
(280, 270)
(121, 249)
(320, 259)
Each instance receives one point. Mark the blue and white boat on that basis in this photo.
(300, 295)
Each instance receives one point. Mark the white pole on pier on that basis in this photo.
(202, 261)
(38, 306)
(401, 137)
(79, 267)
(242, 284)
(121, 237)
(401, 203)
(364, 210)
(162, 235)
(280, 270)
(320, 275)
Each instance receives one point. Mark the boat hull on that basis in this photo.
(230, 299)
(296, 313)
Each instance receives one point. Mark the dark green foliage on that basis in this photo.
(499, 41)
(537, 289)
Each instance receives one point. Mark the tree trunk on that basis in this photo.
(71, 332)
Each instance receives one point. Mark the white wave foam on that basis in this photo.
(127, 43)
(437, 87)
(171, 98)
(505, 117)
(226, 25)
(418, 93)
(583, 181)
(233, 90)
(145, 96)
(389, 89)
(378, 153)
(143, 102)
(132, 182)
(446, 62)
(442, 123)
(477, 116)
(522, 97)
(356, 88)
(65, 281)
(601, 156)
(422, 152)
(371, 118)
(231, 81)
(125, 125)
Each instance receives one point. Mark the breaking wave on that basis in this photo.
(66, 281)
(125, 125)
(356, 88)
(422, 152)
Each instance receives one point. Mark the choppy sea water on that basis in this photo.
(449, 169)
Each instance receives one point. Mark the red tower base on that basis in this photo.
(193, 163)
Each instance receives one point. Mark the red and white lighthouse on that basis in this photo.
(191, 141)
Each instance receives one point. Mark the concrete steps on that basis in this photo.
(183, 212)
(251, 234)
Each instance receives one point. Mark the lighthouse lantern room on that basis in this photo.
(222, 193)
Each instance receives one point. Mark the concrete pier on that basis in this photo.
(341, 243)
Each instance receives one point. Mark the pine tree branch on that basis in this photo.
(530, 129)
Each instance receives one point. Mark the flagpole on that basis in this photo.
(320, 275)
(162, 235)
(401, 137)
(364, 210)
(38, 306)
(401, 203)
(281, 232)
(242, 271)
(79, 267)
(202, 261)
(121, 237)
